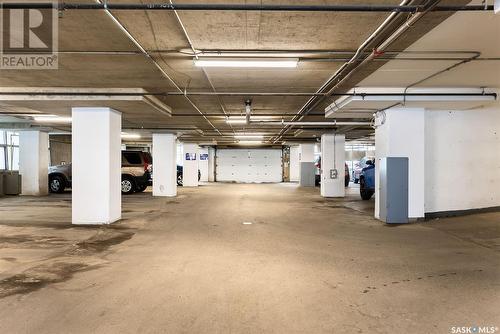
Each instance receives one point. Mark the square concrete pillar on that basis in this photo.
(307, 170)
(164, 164)
(96, 165)
(294, 164)
(203, 164)
(332, 165)
(211, 164)
(34, 162)
(190, 168)
(402, 134)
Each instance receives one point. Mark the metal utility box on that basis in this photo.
(11, 183)
(307, 174)
(393, 190)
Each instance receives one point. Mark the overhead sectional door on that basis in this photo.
(249, 165)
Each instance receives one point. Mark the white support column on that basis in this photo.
(164, 164)
(402, 134)
(190, 168)
(294, 164)
(332, 165)
(34, 162)
(203, 164)
(96, 147)
(211, 164)
(306, 165)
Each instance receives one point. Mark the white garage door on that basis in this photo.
(249, 165)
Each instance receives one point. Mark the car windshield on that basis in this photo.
(133, 158)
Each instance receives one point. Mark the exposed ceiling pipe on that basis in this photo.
(244, 7)
(191, 45)
(322, 124)
(361, 49)
(118, 94)
(430, 5)
(385, 44)
(157, 65)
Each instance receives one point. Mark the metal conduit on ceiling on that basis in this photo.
(247, 7)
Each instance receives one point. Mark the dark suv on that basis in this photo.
(136, 173)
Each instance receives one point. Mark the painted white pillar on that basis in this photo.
(190, 165)
(96, 165)
(211, 164)
(164, 164)
(294, 164)
(332, 158)
(34, 162)
(203, 164)
(306, 165)
(402, 134)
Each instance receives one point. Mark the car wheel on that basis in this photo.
(141, 188)
(128, 186)
(366, 194)
(56, 184)
(179, 180)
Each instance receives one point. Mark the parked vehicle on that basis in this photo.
(136, 173)
(318, 173)
(367, 181)
(347, 177)
(358, 167)
(180, 175)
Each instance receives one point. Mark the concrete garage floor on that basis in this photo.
(190, 265)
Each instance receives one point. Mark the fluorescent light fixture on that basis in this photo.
(51, 119)
(249, 142)
(248, 63)
(235, 121)
(130, 135)
(251, 136)
(243, 120)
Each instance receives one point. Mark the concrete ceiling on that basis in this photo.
(469, 33)
(118, 62)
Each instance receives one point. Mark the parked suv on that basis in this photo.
(358, 167)
(136, 173)
(367, 181)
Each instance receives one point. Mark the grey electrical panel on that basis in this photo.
(307, 174)
(393, 190)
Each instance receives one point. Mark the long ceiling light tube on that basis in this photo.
(247, 63)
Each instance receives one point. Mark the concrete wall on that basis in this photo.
(203, 164)
(60, 150)
(402, 135)
(462, 159)
(211, 164)
(294, 164)
(34, 162)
